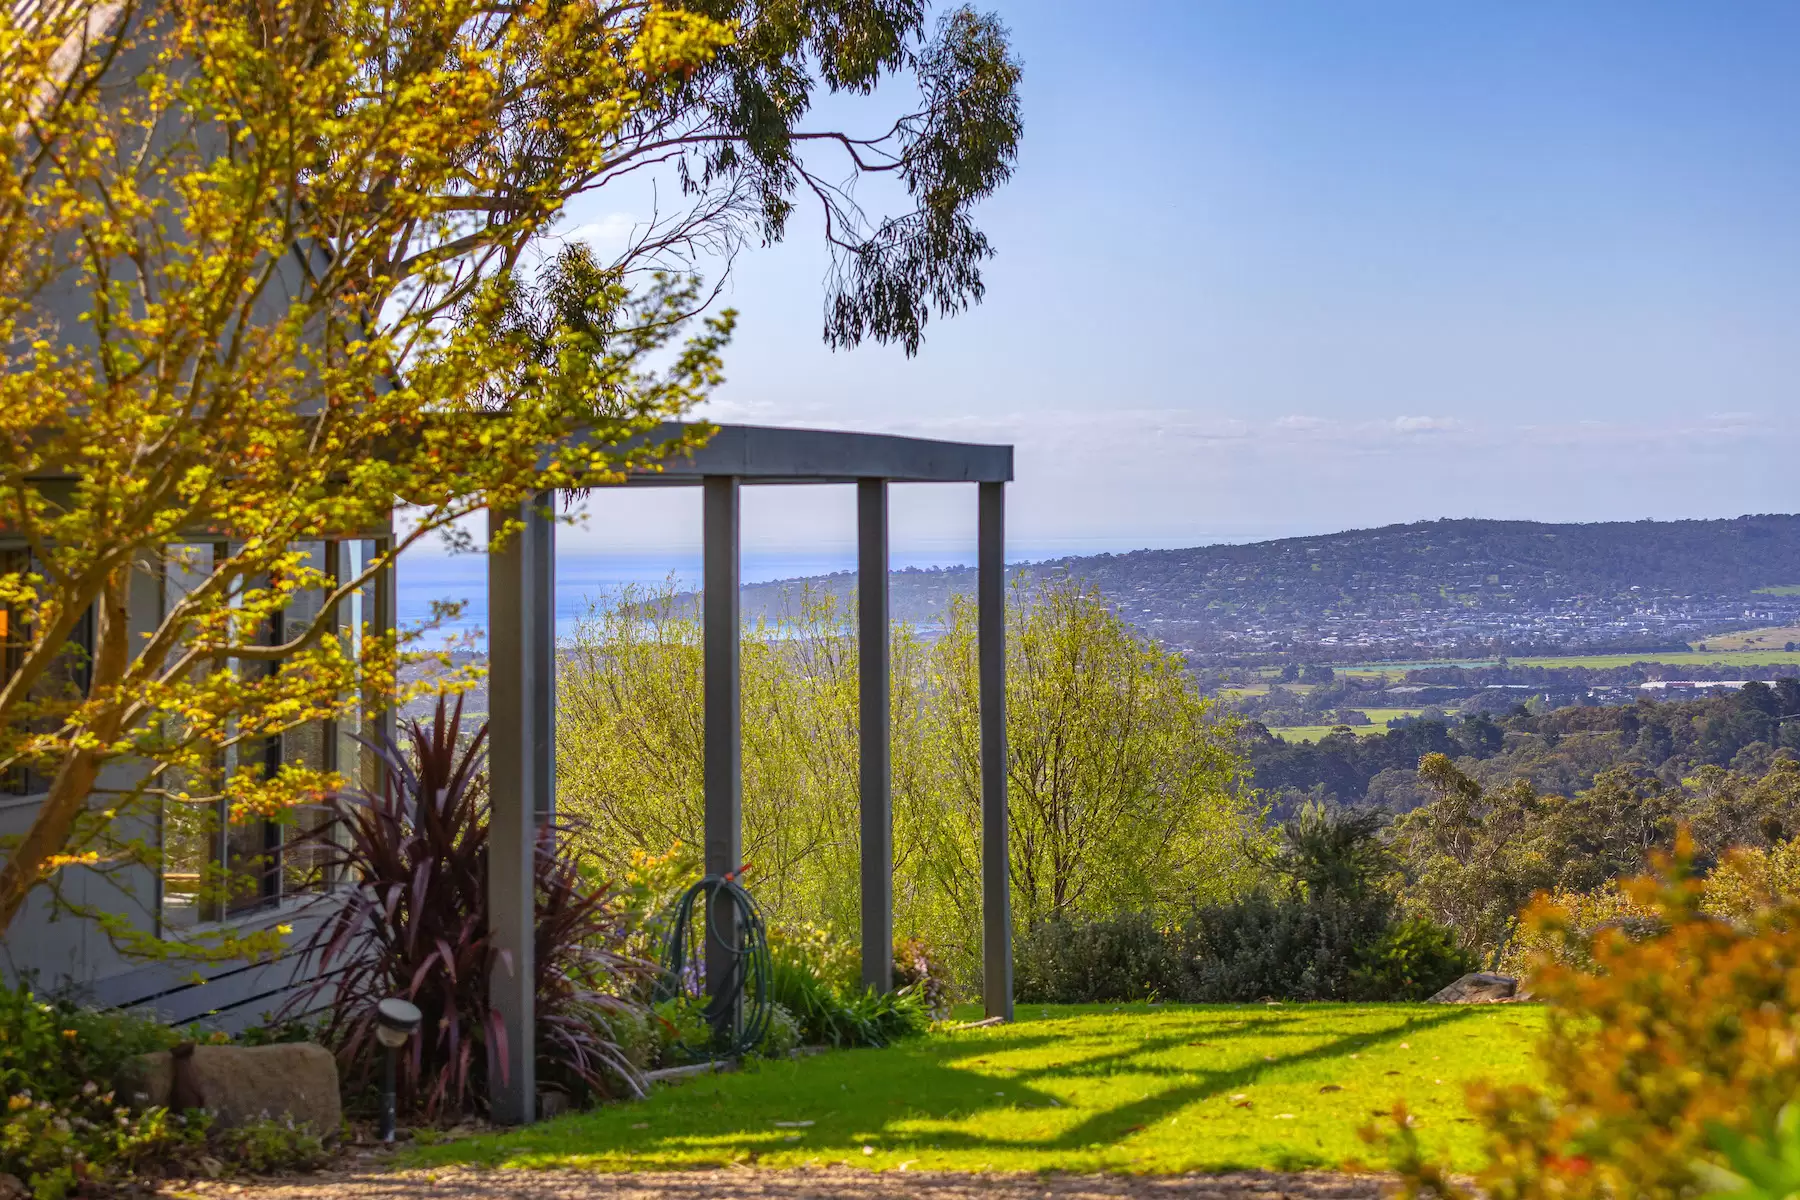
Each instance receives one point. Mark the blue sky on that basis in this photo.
(1270, 268)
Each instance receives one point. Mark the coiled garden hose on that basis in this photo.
(746, 989)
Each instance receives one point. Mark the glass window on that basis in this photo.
(247, 865)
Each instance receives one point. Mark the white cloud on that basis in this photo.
(610, 230)
(1424, 424)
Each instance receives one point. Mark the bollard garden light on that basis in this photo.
(396, 1020)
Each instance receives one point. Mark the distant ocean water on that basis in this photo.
(586, 579)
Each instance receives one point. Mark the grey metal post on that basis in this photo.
(512, 679)
(724, 728)
(383, 723)
(873, 734)
(990, 628)
(541, 528)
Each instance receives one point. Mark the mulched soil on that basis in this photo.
(749, 1183)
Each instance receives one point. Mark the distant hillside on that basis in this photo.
(1435, 587)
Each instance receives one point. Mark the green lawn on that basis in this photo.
(1128, 1088)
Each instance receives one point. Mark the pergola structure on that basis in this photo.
(522, 697)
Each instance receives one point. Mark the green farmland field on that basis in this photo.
(1381, 716)
(1094, 1088)
(1675, 658)
(1672, 658)
(1312, 733)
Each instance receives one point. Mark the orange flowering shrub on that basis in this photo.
(1663, 1040)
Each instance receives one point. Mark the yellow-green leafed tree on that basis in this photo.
(1126, 789)
(269, 268)
(630, 746)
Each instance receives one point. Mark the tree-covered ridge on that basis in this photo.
(1491, 559)
(1431, 588)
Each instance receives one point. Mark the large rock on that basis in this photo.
(238, 1084)
(1478, 988)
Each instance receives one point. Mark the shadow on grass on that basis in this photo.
(1114, 1124)
(858, 1102)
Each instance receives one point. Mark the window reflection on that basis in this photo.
(216, 868)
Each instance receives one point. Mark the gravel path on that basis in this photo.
(757, 1184)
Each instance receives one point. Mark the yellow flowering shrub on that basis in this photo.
(652, 884)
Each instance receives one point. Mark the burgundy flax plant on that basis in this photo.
(411, 920)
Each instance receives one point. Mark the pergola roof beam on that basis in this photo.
(760, 454)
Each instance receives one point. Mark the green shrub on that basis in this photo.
(266, 1146)
(1260, 947)
(1073, 961)
(1307, 940)
(280, 1031)
(54, 1049)
(636, 1033)
(783, 1035)
(1326, 931)
(63, 1125)
(676, 1023)
(873, 1018)
(835, 962)
(1265, 947)
(813, 1003)
(58, 1150)
(1414, 959)
(815, 979)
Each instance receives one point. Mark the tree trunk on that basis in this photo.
(55, 821)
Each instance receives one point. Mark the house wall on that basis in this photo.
(55, 949)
